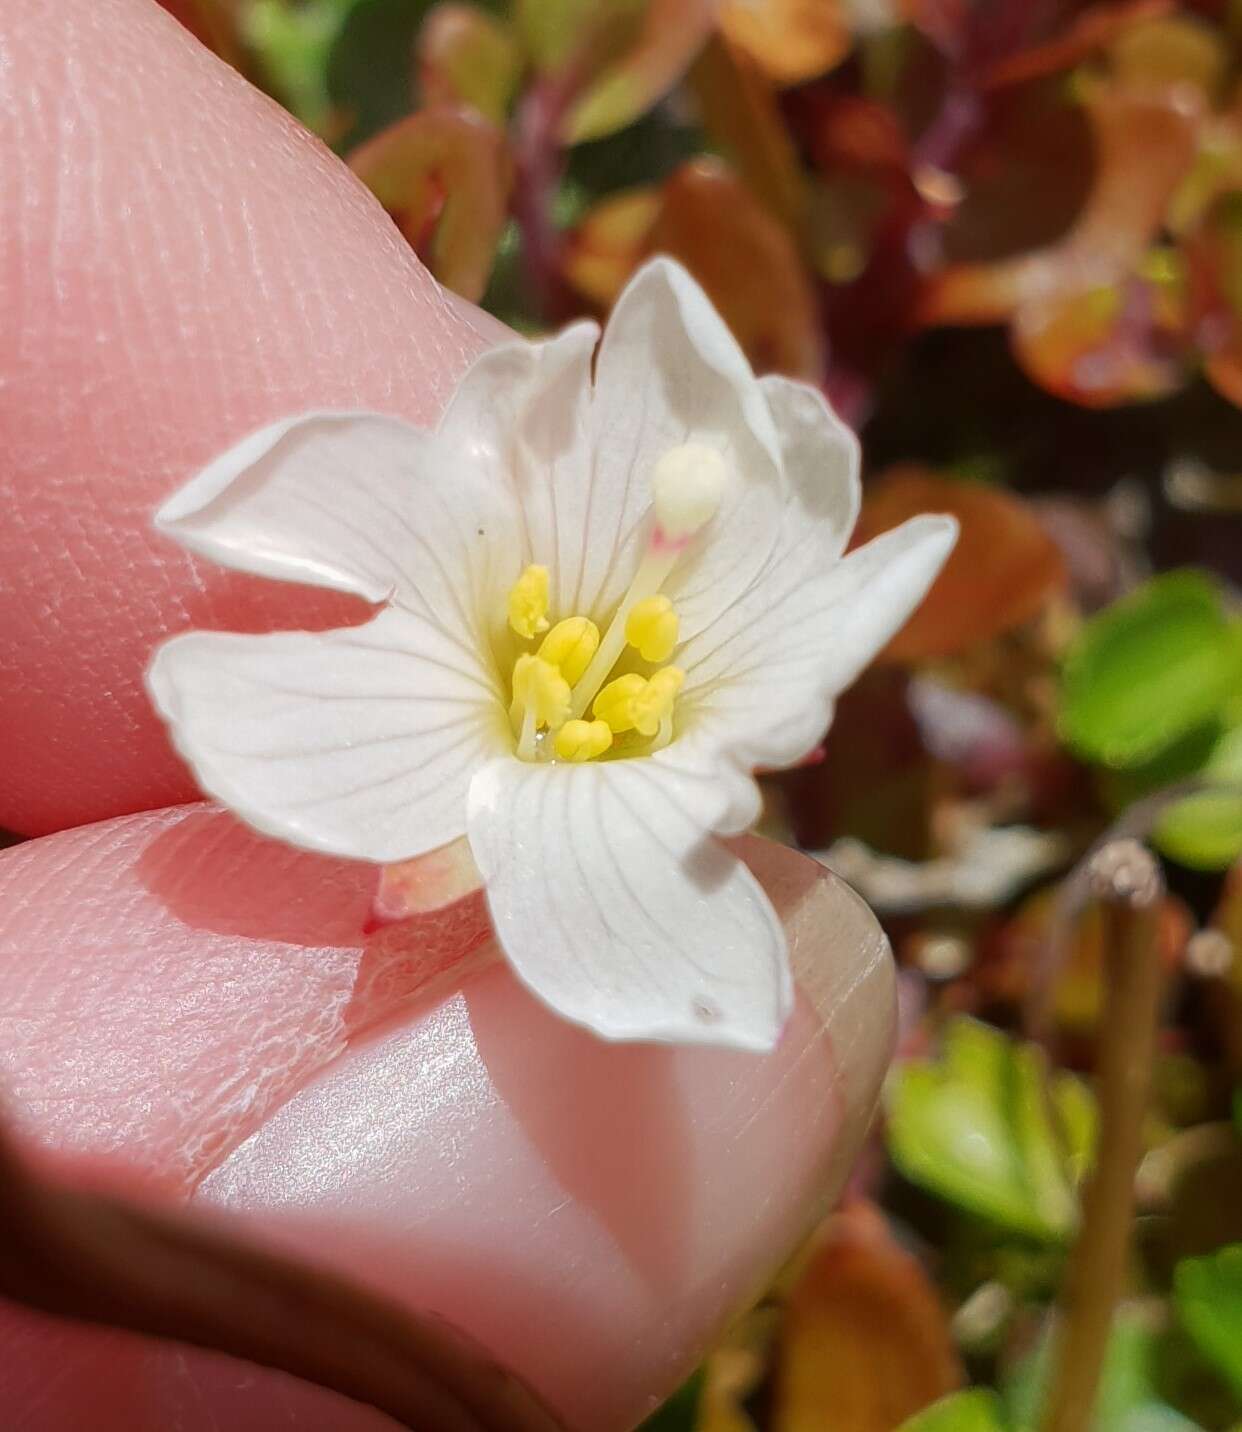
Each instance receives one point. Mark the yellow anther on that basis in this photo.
(652, 628)
(528, 602)
(570, 645)
(583, 740)
(655, 702)
(540, 690)
(615, 702)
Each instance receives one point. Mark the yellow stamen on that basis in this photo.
(528, 602)
(539, 688)
(615, 702)
(570, 645)
(583, 740)
(687, 486)
(634, 703)
(652, 628)
(654, 704)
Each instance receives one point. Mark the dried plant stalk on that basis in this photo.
(1125, 877)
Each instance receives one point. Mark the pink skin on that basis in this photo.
(194, 1012)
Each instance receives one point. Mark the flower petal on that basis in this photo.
(619, 911)
(669, 372)
(523, 410)
(357, 502)
(821, 458)
(359, 742)
(762, 680)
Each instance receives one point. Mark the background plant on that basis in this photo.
(1006, 239)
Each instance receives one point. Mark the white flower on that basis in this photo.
(609, 590)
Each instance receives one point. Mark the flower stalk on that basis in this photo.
(1125, 878)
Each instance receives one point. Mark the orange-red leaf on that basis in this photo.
(1103, 344)
(444, 175)
(1227, 1012)
(790, 40)
(1016, 952)
(1143, 148)
(865, 1342)
(1092, 30)
(465, 57)
(1002, 571)
(1170, 54)
(742, 117)
(747, 263)
(1214, 254)
(608, 245)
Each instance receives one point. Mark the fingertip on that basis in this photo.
(181, 264)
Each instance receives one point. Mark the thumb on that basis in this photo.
(191, 1004)
(180, 263)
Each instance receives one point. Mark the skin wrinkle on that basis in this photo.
(234, 1088)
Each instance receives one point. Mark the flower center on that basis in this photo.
(568, 675)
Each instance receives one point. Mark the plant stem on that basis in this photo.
(539, 168)
(1125, 878)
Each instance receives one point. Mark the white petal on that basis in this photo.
(360, 503)
(762, 680)
(820, 456)
(619, 911)
(670, 372)
(360, 742)
(524, 410)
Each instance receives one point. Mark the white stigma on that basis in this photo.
(687, 484)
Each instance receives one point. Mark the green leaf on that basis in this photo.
(642, 153)
(1149, 670)
(1128, 1398)
(974, 1127)
(369, 70)
(1205, 830)
(1207, 1293)
(293, 44)
(680, 1412)
(975, 1411)
(640, 67)
(552, 29)
(444, 174)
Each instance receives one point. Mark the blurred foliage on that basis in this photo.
(1209, 1302)
(1005, 238)
(973, 1411)
(973, 1127)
